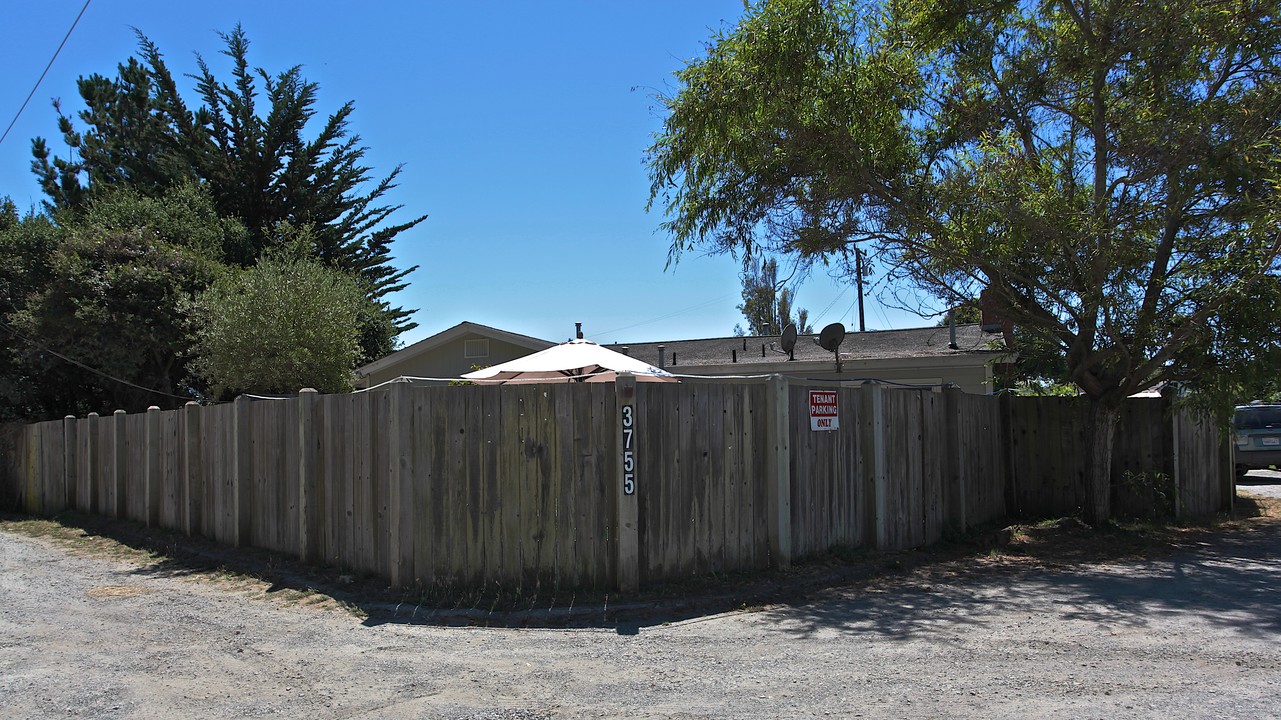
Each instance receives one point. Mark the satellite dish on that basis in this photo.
(831, 337)
(789, 341)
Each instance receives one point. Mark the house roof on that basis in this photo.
(914, 343)
(460, 330)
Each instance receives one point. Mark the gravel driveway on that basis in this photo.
(1261, 482)
(1194, 634)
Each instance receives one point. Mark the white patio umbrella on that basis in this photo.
(574, 361)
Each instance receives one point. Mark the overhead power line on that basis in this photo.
(46, 72)
(82, 366)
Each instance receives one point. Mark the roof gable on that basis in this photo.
(445, 337)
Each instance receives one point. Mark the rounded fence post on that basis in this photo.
(308, 498)
(152, 452)
(193, 513)
(242, 476)
(778, 472)
(400, 555)
(627, 505)
(118, 507)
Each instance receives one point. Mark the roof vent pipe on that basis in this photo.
(733, 355)
(951, 329)
(662, 357)
(578, 330)
(626, 350)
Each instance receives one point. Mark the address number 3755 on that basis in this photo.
(629, 453)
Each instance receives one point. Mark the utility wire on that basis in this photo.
(682, 311)
(46, 72)
(823, 314)
(81, 365)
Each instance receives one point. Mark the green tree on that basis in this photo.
(95, 317)
(281, 325)
(1106, 169)
(767, 305)
(247, 143)
(26, 248)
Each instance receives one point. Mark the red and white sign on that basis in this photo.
(823, 415)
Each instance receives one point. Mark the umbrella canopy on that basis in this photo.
(574, 361)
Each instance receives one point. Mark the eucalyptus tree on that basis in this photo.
(1105, 169)
(767, 303)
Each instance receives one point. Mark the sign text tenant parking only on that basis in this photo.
(823, 414)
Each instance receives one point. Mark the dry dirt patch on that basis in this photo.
(1004, 625)
(1045, 546)
(108, 592)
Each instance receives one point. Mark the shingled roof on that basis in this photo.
(872, 345)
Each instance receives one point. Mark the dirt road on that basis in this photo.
(1196, 634)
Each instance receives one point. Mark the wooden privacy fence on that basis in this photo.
(598, 485)
(1166, 461)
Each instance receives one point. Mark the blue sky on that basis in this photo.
(521, 126)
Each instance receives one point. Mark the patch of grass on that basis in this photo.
(68, 532)
(166, 553)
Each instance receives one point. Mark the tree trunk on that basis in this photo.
(1102, 434)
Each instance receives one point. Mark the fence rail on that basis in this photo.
(527, 484)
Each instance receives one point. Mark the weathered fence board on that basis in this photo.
(1199, 459)
(829, 493)
(172, 496)
(519, 485)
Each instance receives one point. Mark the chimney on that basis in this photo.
(662, 357)
(578, 330)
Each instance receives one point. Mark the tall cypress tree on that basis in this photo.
(247, 144)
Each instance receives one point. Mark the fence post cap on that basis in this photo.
(192, 402)
(119, 412)
(68, 417)
(308, 390)
(153, 408)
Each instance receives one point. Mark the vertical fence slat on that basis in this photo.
(151, 460)
(521, 485)
(70, 478)
(193, 470)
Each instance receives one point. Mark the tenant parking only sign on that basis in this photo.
(823, 414)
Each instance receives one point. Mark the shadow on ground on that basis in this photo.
(1227, 571)
(1228, 574)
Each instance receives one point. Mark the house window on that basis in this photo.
(478, 348)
